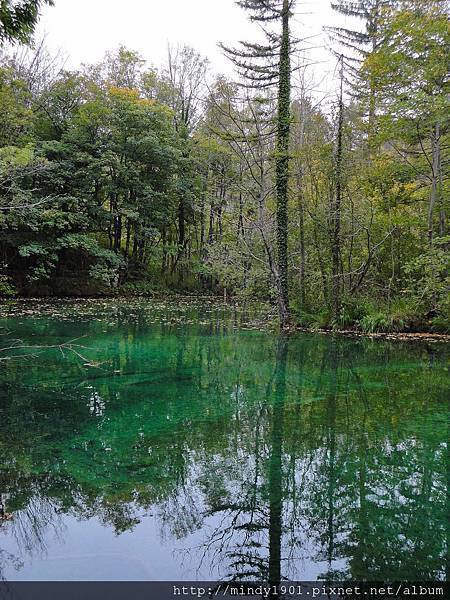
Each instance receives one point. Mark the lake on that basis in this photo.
(151, 440)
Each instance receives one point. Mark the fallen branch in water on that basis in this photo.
(69, 346)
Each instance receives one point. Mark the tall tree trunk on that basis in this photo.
(135, 241)
(111, 223)
(241, 207)
(202, 214)
(336, 207)
(241, 216)
(442, 216)
(164, 250)
(181, 225)
(219, 223)
(181, 239)
(141, 243)
(211, 225)
(371, 123)
(223, 193)
(301, 200)
(117, 233)
(282, 166)
(372, 83)
(435, 181)
(301, 217)
(128, 238)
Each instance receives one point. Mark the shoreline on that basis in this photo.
(419, 336)
(6, 304)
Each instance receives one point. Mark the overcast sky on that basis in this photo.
(85, 29)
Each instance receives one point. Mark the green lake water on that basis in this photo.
(177, 441)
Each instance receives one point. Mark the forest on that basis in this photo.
(126, 179)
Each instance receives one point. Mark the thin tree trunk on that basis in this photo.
(241, 217)
(181, 224)
(202, 215)
(128, 237)
(222, 197)
(336, 207)
(301, 216)
(111, 223)
(135, 242)
(211, 225)
(434, 196)
(241, 208)
(117, 233)
(372, 84)
(164, 250)
(442, 216)
(321, 264)
(301, 200)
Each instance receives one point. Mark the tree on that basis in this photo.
(102, 166)
(18, 19)
(361, 44)
(122, 68)
(184, 81)
(412, 71)
(336, 205)
(16, 121)
(266, 65)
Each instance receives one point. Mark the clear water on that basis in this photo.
(175, 442)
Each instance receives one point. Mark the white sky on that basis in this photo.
(83, 30)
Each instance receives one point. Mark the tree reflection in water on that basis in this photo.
(296, 457)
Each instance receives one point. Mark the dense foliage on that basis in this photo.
(122, 179)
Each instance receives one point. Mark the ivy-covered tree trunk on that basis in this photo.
(282, 167)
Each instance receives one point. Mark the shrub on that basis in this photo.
(139, 288)
(400, 316)
(6, 286)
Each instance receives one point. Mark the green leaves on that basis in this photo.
(93, 173)
(18, 19)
